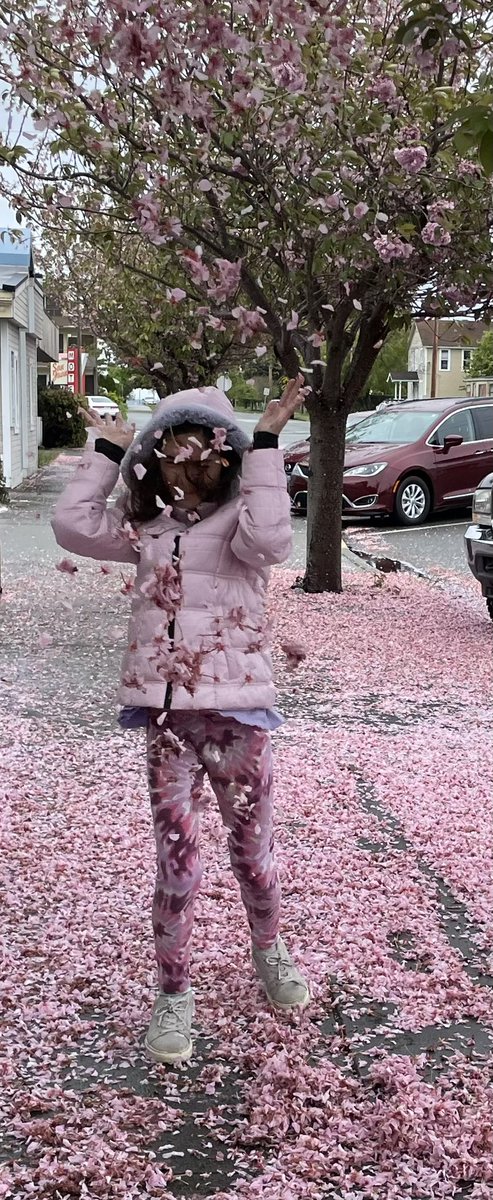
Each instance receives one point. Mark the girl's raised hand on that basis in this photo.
(114, 429)
(279, 412)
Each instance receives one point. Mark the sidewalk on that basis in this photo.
(382, 1088)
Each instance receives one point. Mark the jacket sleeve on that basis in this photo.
(82, 521)
(263, 534)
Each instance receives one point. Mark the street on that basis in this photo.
(295, 431)
(435, 547)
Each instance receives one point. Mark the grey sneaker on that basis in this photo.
(168, 1038)
(282, 981)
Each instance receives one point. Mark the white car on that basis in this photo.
(103, 406)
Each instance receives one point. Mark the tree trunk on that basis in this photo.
(327, 440)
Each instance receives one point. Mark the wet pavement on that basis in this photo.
(74, 689)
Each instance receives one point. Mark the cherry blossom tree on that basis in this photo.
(297, 165)
(120, 293)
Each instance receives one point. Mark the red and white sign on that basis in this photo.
(73, 381)
(69, 371)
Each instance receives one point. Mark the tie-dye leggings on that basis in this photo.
(238, 761)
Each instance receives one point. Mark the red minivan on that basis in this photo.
(409, 459)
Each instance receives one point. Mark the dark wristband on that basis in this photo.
(265, 441)
(110, 450)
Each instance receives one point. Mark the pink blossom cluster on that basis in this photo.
(148, 215)
(181, 666)
(249, 321)
(136, 45)
(227, 279)
(383, 90)
(434, 234)
(194, 264)
(390, 247)
(164, 589)
(411, 158)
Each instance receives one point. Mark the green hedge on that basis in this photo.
(62, 424)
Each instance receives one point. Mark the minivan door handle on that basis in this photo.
(480, 452)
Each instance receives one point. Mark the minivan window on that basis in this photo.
(394, 427)
(483, 421)
(458, 424)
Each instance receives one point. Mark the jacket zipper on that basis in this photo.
(171, 627)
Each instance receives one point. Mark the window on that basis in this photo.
(459, 424)
(483, 420)
(445, 360)
(14, 391)
(61, 343)
(466, 359)
(392, 427)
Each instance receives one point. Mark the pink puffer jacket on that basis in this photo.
(198, 636)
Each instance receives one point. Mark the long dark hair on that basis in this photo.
(140, 505)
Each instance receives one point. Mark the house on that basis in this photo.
(481, 385)
(451, 342)
(405, 384)
(75, 335)
(26, 334)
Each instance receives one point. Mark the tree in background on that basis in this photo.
(294, 164)
(481, 363)
(392, 357)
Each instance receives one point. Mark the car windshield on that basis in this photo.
(392, 426)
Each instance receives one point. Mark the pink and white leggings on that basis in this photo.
(238, 761)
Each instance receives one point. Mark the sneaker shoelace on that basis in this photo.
(171, 1015)
(280, 965)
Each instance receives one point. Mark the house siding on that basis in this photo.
(451, 382)
(20, 306)
(16, 472)
(18, 443)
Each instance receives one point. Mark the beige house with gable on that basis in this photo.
(456, 341)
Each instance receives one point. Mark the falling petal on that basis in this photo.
(67, 566)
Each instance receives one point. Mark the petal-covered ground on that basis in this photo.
(383, 1087)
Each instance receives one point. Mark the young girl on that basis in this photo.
(204, 517)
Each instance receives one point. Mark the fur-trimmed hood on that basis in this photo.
(204, 406)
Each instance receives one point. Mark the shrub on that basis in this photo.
(243, 393)
(62, 425)
(4, 495)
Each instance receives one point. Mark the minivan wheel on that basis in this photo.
(412, 501)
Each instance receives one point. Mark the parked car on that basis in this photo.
(103, 405)
(299, 451)
(479, 539)
(410, 459)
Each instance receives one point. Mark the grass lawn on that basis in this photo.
(45, 457)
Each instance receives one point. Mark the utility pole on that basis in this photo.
(79, 348)
(434, 360)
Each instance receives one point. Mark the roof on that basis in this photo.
(452, 332)
(11, 278)
(403, 377)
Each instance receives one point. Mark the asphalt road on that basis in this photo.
(431, 547)
(294, 431)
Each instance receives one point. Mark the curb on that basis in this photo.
(386, 565)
